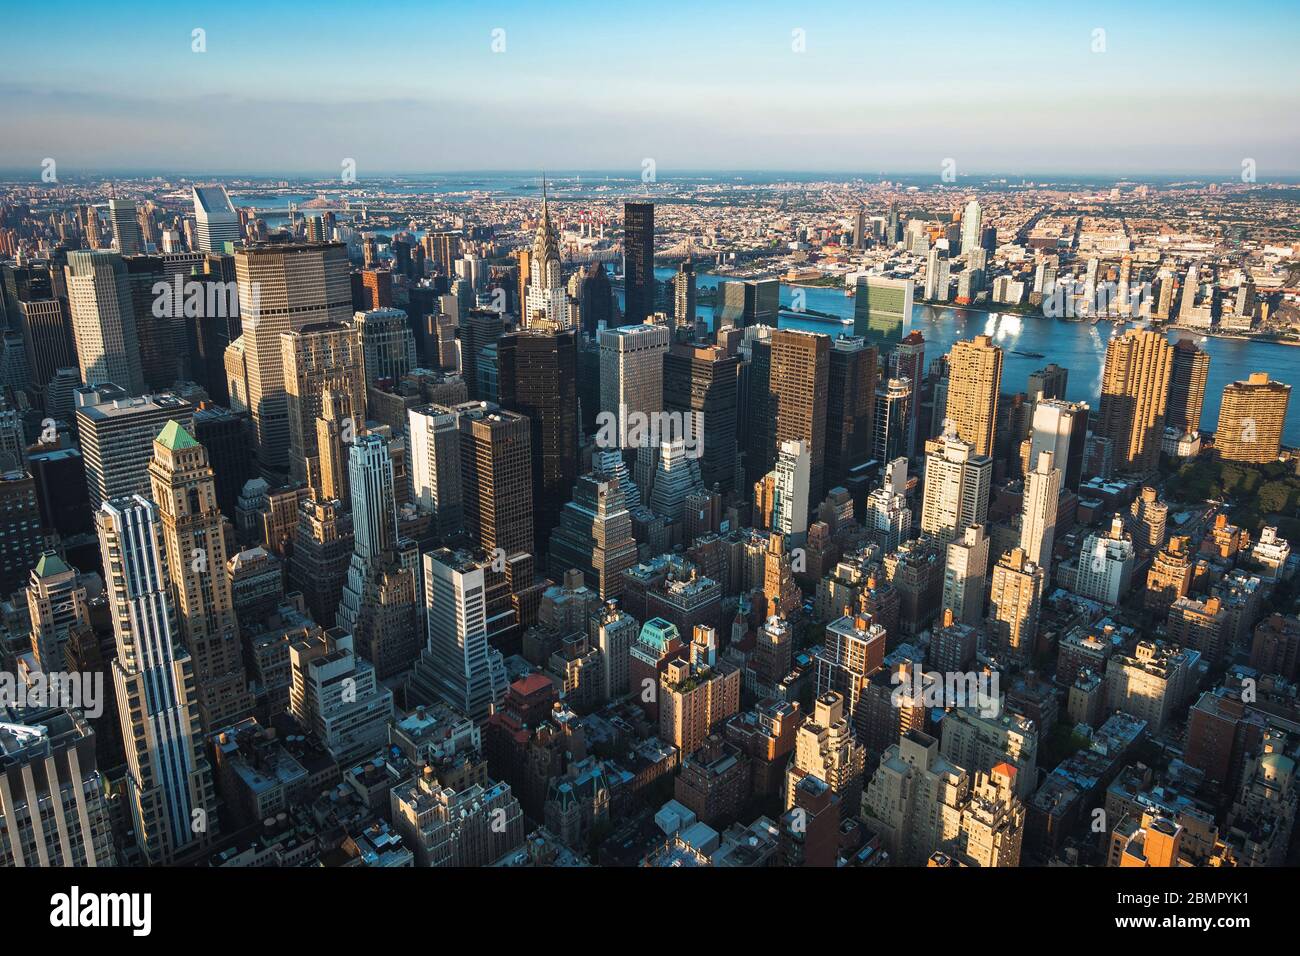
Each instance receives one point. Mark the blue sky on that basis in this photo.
(1004, 87)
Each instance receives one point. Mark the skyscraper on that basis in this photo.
(546, 301)
(882, 311)
(127, 239)
(1014, 597)
(595, 536)
(1191, 367)
(1251, 418)
(972, 222)
(1038, 519)
(638, 261)
(117, 435)
(704, 381)
(496, 474)
(908, 361)
(435, 466)
(974, 381)
(284, 287)
(965, 575)
(387, 343)
(538, 379)
(215, 219)
(798, 387)
(957, 486)
(684, 294)
(324, 357)
(851, 390)
(1061, 427)
(890, 419)
(103, 320)
(1134, 392)
(747, 303)
(631, 378)
(184, 490)
(168, 779)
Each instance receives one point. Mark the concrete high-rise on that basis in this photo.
(284, 287)
(117, 435)
(127, 238)
(1038, 518)
(434, 432)
(319, 358)
(1061, 427)
(1134, 393)
(1191, 368)
(595, 536)
(965, 575)
(184, 489)
(957, 487)
(974, 383)
(798, 387)
(215, 220)
(103, 320)
(638, 261)
(168, 778)
(1015, 594)
(1251, 418)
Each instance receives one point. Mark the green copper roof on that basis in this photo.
(50, 564)
(174, 437)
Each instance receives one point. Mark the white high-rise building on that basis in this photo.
(546, 300)
(957, 486)
(1038, 520)
(1060, 426)
(465, 670)
(793, 474)
(1106, 564)
(886, 517)
(127, 238)
(972, 223)
(103, 320)
(965, 575)
(632, 374)
(168, 778)
(435, 465)
(215, 219)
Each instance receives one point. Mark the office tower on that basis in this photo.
(103, 320)
(480, 329)
(890, 421)
(538, 370)
(372, 289)
(1106, 564)
(56, 604)
(1134, 392)
(435, 466)
(379, 605)
(697, 695)
(387, 343)
(168, 779)
(117, 433)
(703, 381)
(324, 358)
(595, 299)
(1251, 418)
(826, 748)
(957, 487)
(284, 287)
(972, 223)
(215, 219)
(797, 389)
(127, 239)
(1015, 594)
(886, 518)
(337, 695)
(882, 311)
(638, 262)
(675, 479)
(747, 303)
(936, 276)
(631, 384)
(546, 302)
(1038, 519)
(47, 340)
(851, 390)
(790, 478)
(53, 799)
(321, 553)
(224, 434)
(496, 475)
(974, 381)
(595, 536)
(191, 532)
(1061, 427)
(853, 650)
(22, 539)
(1190, 368)
(908, 361)
(684, 294)
(458, 664)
